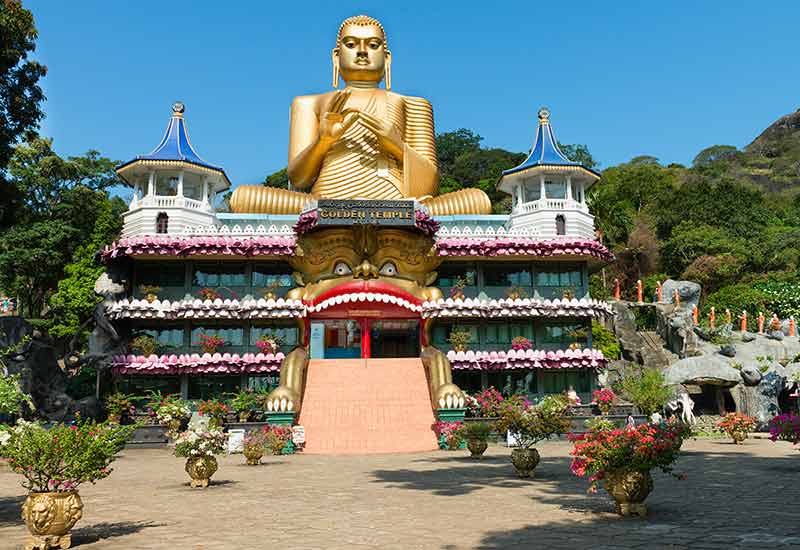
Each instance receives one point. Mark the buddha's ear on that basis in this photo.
(335, 62)
(387, 70)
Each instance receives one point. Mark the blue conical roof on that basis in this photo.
(175, 145)
(545, 151)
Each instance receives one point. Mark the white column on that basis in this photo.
(212, 200)
(135, 199)
(542, 193)
(205, 190)
(568, 196)
(519, 195)
(583, 193)
(180, 184)
(151, 184)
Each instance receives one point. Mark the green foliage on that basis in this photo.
(63, 457)
(476, 430)
(782, 298)
(144, 345)
(597, 289)
(118, 404)
(12, 398)
(278, 179)
(739, 297)
(579, 153)
(690, 240)
(245, 401)
(649, 286)
(715, 153)
(606, 341)
(531, 424)
(645, 388)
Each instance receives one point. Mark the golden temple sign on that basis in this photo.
(365, 212)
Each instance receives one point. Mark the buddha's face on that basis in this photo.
(361, 53)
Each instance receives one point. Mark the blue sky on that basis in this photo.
(625, 78)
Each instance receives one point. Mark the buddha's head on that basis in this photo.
(361, 54)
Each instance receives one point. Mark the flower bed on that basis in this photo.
(526, 359)
(207, 363)
(200, 245)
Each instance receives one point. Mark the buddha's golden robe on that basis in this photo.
(355, 167)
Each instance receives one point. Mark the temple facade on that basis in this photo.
(215, 301)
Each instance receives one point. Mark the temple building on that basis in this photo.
(362, 277)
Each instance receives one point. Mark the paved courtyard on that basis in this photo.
(736, 497)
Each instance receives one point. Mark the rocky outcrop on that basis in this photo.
(689, 292)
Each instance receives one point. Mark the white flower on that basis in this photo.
(4, 437)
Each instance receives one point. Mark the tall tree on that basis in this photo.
(20, 94)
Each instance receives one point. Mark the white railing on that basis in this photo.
(160, 201)
(552, 204)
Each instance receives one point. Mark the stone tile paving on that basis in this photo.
(736, 497)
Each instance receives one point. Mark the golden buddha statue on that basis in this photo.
(362, 142)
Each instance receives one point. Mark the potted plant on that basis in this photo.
(171, 411)
(255, 442)
(449, 435)
(520, 343)
(54, 463)
(457, 290)
(117, 405)
(576, 335)
(269, 343)
(277, 437)
(737, 425)
(477, 436)
(459, 339)
(785, 427)
(244, 403)
(209, 294)
(143, 345)
(269, 290)
(150, 292)
(216, 411)
(623, 458)
(198, 447)
(604, 398)
(568, 293)
(485, 404)
(529, 425)
(516, 292)
(210, 343)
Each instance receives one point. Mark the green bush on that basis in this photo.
(783, 298)
(597, 289)
(646, 388)
(605, 340)
(739, 297)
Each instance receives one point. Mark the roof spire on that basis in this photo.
(178, 108)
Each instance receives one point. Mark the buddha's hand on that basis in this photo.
(335, 122)
(389, 137)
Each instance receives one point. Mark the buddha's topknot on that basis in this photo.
(361, 21)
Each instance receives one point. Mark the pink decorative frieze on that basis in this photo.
(201, 245)
(520, 246)
(207, 309)
(527, 359)
(218, 363)
(521, 307)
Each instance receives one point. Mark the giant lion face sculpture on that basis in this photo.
(364, 259)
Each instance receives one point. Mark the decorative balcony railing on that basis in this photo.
(552, 204)
(526, 359)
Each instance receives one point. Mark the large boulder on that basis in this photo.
(689, 292)
(705, 369)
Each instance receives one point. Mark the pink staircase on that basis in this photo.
(362, 406)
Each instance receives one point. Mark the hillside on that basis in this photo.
(772, 160)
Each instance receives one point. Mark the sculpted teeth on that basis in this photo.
(365, 297)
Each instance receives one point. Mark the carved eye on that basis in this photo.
(389, 269)
(342, 269)
(375, 44)
(350, 44)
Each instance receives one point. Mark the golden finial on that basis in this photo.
(544, 115)
(178, 108)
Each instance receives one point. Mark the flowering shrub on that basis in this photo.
(209, 294)
(61, 458)
(520, 343)
(210, 343)
(785, 427)
(459, 339)
(245, 402)
(144, 345)
(531, 424)
(737, 425)
(11, 395)
(255, 440)
(195, 443)
(118, 404)
(516, 292)
(486, 403)
(170, 409)
(269, 343)
(599, 452)
(277, 437)
(457, 290)
(604, 396)
(449, 434)
(215, 410)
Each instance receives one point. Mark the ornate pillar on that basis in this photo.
(205, 190)
(180, 183)
(542, 193)
(568, 194)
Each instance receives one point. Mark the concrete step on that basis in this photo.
(363, 406)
